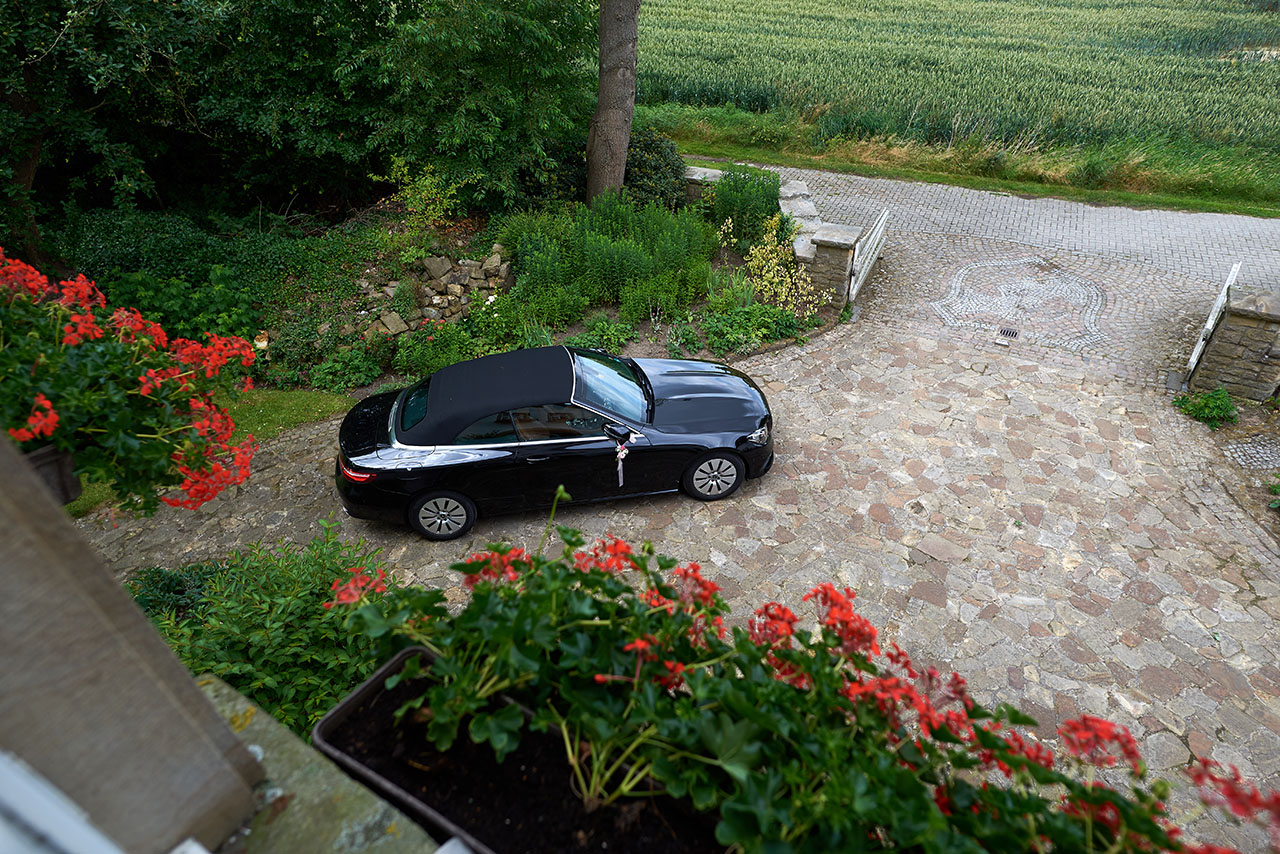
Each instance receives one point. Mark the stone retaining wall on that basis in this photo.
(1243, 356)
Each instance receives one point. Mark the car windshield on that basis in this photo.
(609, 383)
(413, 406)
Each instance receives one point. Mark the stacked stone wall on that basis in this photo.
(443, 289)
(1243, 355)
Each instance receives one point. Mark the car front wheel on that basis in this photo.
(714, 476)
(442, 515)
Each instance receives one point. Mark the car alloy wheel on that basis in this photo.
(714, 476)
(442, 515)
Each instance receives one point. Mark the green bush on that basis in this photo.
(434, 346)
(533, 334)
(1274, 488)
(655, 171)
(748, 198)
(656, 297)
(746, 328)
(496, 323)
(258, 624)
(347, 369)
(404, 301)
(298, 347)
(163, 245)
(570, 259)
(604, 334)
(223, 305)
(1212, 407)
(278, 270)
(180, 592)
(729, 290)
(610, 264)
(681, 339)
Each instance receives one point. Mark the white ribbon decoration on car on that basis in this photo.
(622, 453)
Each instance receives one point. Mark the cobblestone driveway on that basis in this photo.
(1035, 516)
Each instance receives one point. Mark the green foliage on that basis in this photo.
(775, 276)
(646, 258)
(534, 334)
(661, 296)
(437, 344)
(800, 739)
(603, 334)
(730, 290)
(746, 328)
(298, 346)
(256, 622)
(268, 268)
(1274, 489)
(347, 369)
(180, 592)
(223, 305)
(1212, 407)
(404, 301)
(498, 323)
(747, 198)
(484, 91)
(682, 338)
(425, 195)
(655, 171)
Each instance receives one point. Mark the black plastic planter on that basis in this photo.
(321, 737)
(56, 469)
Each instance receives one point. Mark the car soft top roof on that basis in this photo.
(461, 394)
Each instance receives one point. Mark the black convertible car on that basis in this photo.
(499, 433)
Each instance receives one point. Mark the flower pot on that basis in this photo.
(332, 722)
(57, 471)
(527, 796)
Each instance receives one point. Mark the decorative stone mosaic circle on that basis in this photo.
(1033, 294)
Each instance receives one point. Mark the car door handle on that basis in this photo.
(536, 459)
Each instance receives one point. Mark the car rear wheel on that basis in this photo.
(442, 515)
(714, 476)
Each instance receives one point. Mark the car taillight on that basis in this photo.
(352, 475)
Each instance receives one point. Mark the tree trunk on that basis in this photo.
(610, 133)
(22, 220)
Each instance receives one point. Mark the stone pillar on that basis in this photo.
(831, 261)
(696, 178)
(93, 700)
(1243, 356)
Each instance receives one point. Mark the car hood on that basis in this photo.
(366, 425)
(702, 397)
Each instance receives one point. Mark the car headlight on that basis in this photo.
(759, 437)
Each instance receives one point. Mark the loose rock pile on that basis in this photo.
(443, 289)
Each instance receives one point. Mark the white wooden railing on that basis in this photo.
(1215, 314)
(865, 254)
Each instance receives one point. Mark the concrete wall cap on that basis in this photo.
(1264, 306)
(804, 249)
(793, 189)
(837, 236)
(702, 175)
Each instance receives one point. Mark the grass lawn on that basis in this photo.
(264, 413)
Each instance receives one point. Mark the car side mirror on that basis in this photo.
(617, 432)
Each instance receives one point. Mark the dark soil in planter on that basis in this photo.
(525, 805)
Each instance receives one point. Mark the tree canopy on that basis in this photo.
(112, 98)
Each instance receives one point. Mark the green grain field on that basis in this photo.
(1193, 75)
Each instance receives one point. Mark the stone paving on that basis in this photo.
(1030, 512)
(1199, 245)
